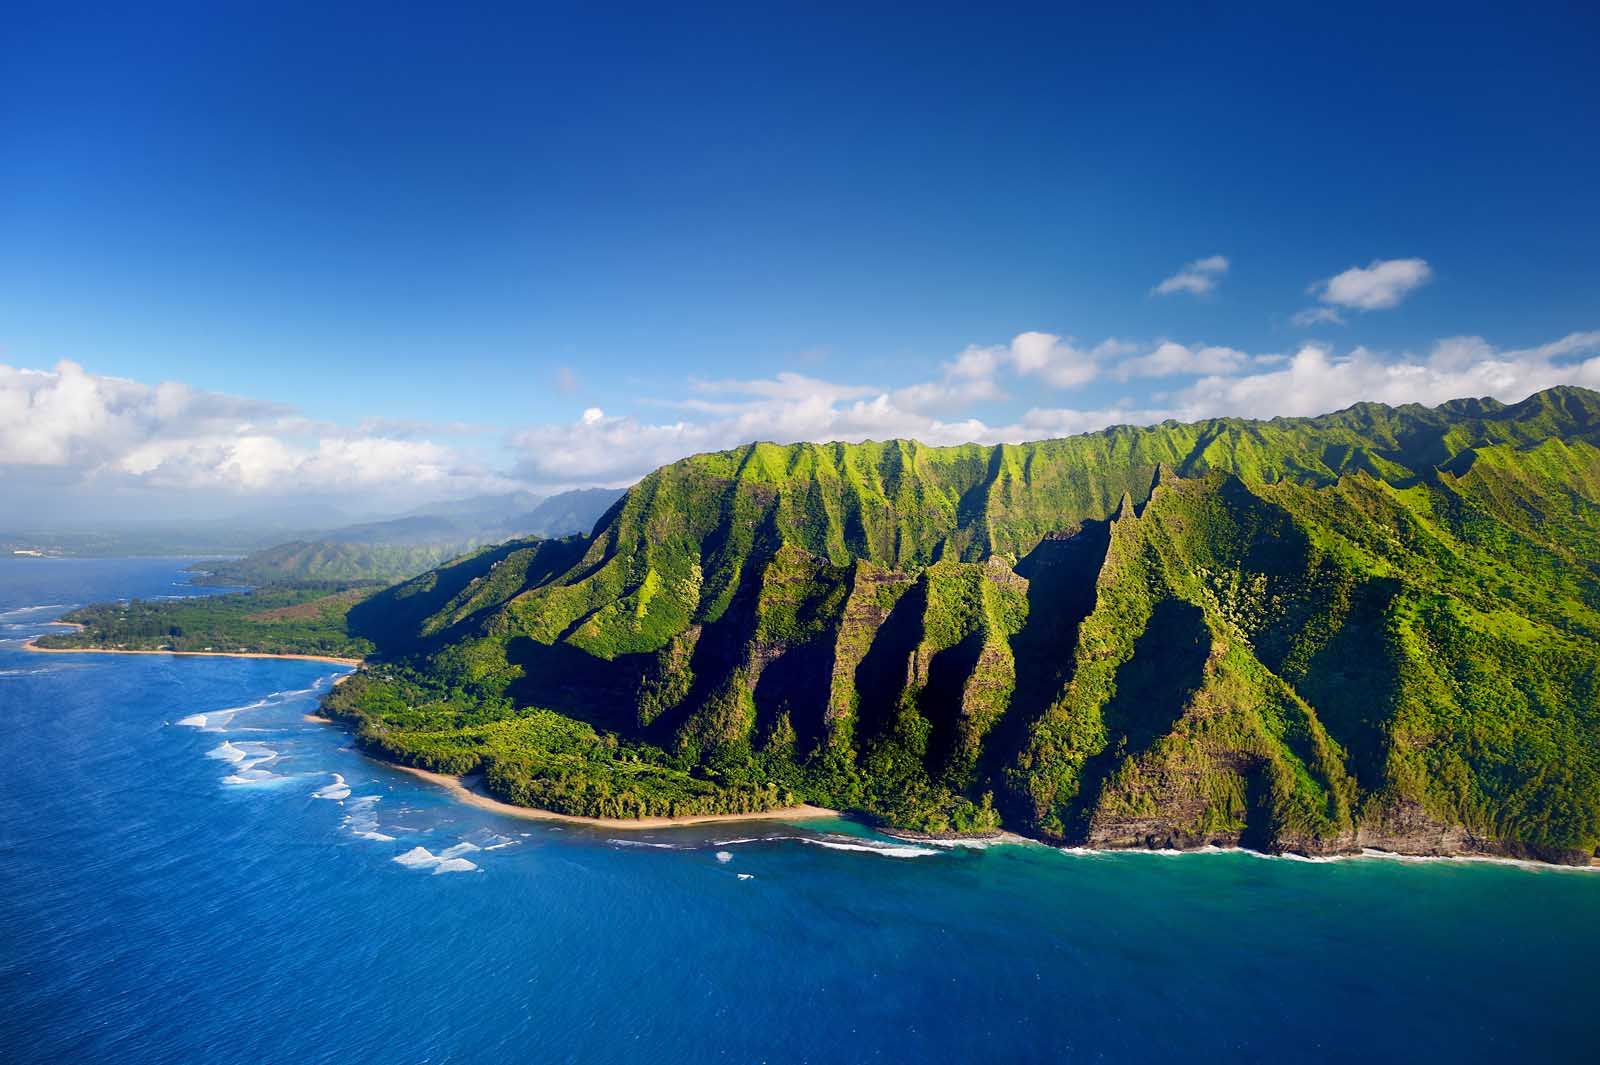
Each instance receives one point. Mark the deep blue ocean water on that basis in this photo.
(173, 888)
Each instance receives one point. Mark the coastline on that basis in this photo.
(32, 645)
(470, 790)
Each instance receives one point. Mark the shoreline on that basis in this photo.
(1364, 854)
(469, 790)
(32, 645)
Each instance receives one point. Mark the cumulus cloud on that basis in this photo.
(1377, 287)
(1312, 380)
(1196, 278)
(72, 426)
(1317, 316)
(1171, 359)
(1315, 380)
(616, 450)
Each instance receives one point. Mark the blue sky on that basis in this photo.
(312, 253)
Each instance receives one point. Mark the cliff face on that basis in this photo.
(1376, 628)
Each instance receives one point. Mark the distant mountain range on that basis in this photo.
(402, 547)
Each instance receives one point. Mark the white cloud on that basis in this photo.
(1316, 316)
(1171, 358)
(1316, 381)
(75, 427)
(1052, 359)
(1313, 380)
(1047, 422)
(1196, 278)
(1373, 288)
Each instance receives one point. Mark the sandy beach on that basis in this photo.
(470, 791)
(33, 646)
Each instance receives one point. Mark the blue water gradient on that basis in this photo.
(173, 889)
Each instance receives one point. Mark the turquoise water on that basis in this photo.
(173, 889)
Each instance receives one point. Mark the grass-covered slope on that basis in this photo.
(1375, 627)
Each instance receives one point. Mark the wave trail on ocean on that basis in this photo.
(361, 819)
(216, 720)
(227, 752)
(835, 841)
(337, 790)
(24, 611)
(446, 861)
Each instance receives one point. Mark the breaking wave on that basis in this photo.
(361, 819)
(24, 611)
(448, 860)
(834, 841)
(337, 790)
(216, 720)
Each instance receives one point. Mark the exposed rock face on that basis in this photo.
(1373, 629)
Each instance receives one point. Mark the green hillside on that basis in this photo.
(1376, 627)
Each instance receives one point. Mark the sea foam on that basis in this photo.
(851, 843)
(216, 720)
(24, 611)
(227, 752)
(337, 790)
(845, 843)
(361, 819)
(446, 861)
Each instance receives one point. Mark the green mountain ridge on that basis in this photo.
(1372, 628)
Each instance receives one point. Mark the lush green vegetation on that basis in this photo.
(530, 756)
(1373, 627)
(1378, 627)
(305, 618)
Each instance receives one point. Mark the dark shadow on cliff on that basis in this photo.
(719, 651)
(1353, 682)
(798, 682)
(881, 675)
(393, 618)
(1153, 690)
(940, 702)
(1062, 574)
(573, 682)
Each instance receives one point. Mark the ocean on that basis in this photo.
(190, 871)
